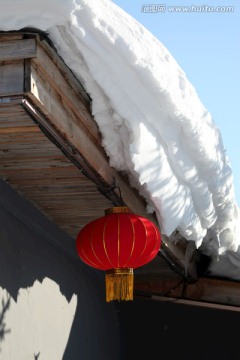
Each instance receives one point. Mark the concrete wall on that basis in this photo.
(52, 306)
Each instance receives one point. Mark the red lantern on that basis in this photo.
(117, 243)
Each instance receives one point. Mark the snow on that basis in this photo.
(154, 126)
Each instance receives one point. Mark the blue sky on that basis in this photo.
(204, 38)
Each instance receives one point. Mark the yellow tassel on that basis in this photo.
(119, 284)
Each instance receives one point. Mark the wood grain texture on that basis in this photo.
(37, 169)
(15, 49)
(11, 77)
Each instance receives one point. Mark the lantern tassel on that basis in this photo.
(119, 284)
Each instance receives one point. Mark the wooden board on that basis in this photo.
(11, 77)
(16, 49)
(37, 169)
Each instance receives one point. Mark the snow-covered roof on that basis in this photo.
(154, 126)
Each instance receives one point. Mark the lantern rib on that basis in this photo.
(133, 239)
(145, 245)
(90, 262)
(104, 242)
(118, 241)
(92, 247)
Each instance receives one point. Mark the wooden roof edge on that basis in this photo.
(69, 131)
(209, 292)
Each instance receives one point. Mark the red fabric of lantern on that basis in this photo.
(118, 242)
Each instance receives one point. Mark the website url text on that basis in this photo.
(162, 8)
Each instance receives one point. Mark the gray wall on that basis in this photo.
(52, 306)
(156, 330)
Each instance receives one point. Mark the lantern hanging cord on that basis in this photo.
(120, 195)
(111, 190)
(115, 186)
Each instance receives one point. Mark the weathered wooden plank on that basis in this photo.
(19, 129)
(47, 77)
(17, 49)
(19, 151)
(12, 144)
(14, 119)
(215, 291)
(47, 95)
(10, 36)
(62, 79)
(39, 174)
(11, 77)
(32, 164)
(46, 99)
(13, 114)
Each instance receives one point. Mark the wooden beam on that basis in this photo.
(55, 95)
(17, 49)
(11, 77)
(76, 153)
(19, 129)
(210, 290)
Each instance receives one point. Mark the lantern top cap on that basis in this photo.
(118, 210)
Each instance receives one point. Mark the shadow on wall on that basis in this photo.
(3, 326)
(33, 249)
